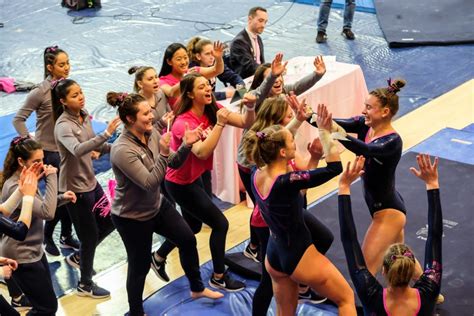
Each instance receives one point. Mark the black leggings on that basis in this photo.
(197, 208)
(322, 240)
(137, 238)
(52, 158)
(35, 281)
(91, 228)
(245, 177)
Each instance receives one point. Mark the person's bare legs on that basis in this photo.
(386, 229)
(285, 291)
(320, 274)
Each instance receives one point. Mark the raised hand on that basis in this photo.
(168, 119)
(70, 196)
(28, 182)
(218, 50)
(324, 118)
(113, 125)
(277, 66)
(222, 116)
(165, 144)
(352, 172)
(428, 171)
(315, 149)
(192, 136)
(319, 65)
(301, 109)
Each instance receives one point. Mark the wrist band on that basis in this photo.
(106, 133)
(221, 125)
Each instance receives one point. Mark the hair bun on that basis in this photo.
(399, 83)
(395, 85)
(116, 99)
(133, 69)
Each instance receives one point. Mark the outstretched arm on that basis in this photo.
(391, 146)
(429, 174)
(368, 288)
(355, 258)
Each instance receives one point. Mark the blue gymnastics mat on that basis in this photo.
(450, 144)
(174, 299)
(469, 128)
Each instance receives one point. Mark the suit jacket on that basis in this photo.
(241, 54)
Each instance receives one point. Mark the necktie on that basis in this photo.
(257, 50)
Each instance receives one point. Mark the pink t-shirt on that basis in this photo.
(193, 167)
(170, 80)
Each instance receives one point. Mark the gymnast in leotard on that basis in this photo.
(291, 257)
(381, 145)
(398, 262)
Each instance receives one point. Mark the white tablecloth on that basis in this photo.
(342, 89)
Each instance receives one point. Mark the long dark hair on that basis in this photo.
(259, 75)
(169, 52)
(126, 104)
(50, 54)
(185, 103)
(20, 147)
(59, 90)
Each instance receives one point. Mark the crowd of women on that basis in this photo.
(169, 127)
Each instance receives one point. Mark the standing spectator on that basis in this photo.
(56, 66)
(246, 51)
(76, 142)
(324, 9)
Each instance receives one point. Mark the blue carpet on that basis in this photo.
(450, 144)
(174, 299)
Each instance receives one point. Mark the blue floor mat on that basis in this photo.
(469, 128)
(174, 299)
(451, 144)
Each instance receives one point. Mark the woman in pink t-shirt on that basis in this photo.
(198, 107)
(176, 65)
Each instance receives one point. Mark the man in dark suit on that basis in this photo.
(246, 50)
